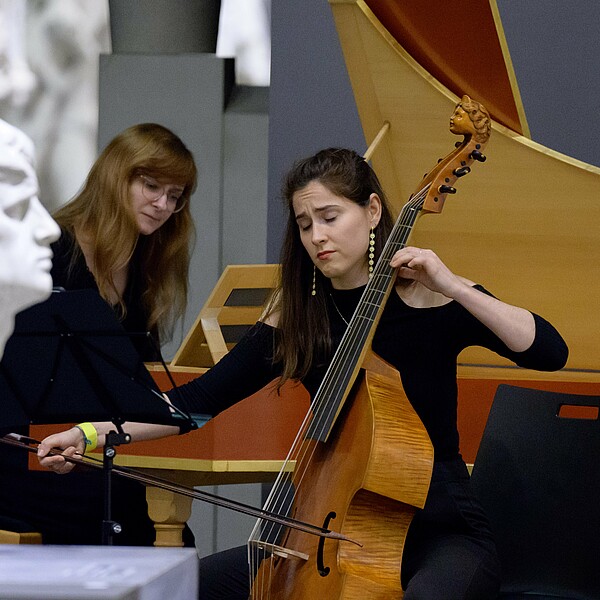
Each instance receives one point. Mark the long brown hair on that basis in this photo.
(102, 212)
(346, 174)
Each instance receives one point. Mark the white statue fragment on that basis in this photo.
(26, 231)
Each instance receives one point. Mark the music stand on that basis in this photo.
(70, 360)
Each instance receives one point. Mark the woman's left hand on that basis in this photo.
(426, 267)
(515, 326)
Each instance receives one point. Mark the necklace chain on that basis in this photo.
(338, 310)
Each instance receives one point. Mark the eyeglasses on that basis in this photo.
(153, 191)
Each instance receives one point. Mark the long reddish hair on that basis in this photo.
(102, 212)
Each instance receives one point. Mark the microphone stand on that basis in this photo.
(113, 439)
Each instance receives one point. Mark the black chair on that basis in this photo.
(537, 473)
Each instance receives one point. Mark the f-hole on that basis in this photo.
(323, 570)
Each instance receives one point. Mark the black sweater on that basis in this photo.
(76, 276)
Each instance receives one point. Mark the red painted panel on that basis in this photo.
(458, 44)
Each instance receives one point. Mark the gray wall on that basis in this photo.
(555, 49)
(245, 167)
(311, 101)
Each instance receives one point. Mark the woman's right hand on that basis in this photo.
(71, 442)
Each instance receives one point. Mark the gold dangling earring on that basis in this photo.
(371, 252)
(314, 285)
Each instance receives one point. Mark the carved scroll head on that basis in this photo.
(471, 118)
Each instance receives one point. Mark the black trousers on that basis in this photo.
(449, 552)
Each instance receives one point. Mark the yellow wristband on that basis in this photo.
(90, 436)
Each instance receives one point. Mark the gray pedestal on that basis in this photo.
(159, 27)
(82, 572)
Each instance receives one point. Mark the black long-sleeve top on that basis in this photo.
(421, 343)
(75, 275)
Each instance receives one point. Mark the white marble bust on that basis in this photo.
(26, 231)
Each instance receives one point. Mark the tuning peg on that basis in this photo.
(476, 155)
(446, 189)
(461, 171)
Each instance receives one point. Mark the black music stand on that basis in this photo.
(70, 360)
